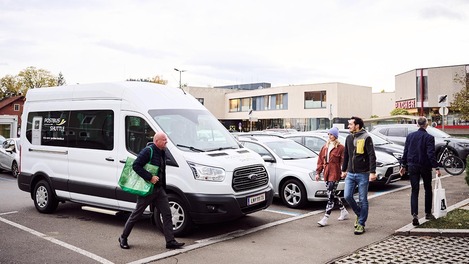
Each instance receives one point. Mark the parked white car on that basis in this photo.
(292, 169)
(10, 155)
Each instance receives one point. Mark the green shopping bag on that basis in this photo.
(131, 182)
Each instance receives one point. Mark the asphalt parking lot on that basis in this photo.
(76, 236)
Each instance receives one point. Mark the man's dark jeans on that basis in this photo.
(415, 173)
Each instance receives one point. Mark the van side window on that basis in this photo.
(47, 128)
(91, 129)
(137, 134)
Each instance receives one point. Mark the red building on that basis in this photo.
(11, 109)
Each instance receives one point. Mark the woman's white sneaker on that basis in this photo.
(343, 215)
(323, 221)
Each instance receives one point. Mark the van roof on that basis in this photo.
(144, 94)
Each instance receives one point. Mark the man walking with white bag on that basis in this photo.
(419, 159)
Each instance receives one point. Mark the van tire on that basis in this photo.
(180, 213)
(293, 193)
(44, 198)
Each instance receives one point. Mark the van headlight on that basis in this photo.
(207, 173)
(397, 155)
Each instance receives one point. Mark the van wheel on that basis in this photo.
(182, 223)
(44, 198)
(14, 169)
(293, 194)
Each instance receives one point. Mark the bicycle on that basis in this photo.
(452, 164)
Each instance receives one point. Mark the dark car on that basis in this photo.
(397, 133)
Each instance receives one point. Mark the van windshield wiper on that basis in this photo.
(222, 148)
(191, 148)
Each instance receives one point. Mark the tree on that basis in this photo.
(61, 80)
(157, 79)
(374, 116)
(9, 86)
(26, 79)
(460, 102)
(399, 111)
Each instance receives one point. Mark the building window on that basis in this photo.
(245, 104)
(16, 107)
(235, 105)
(315, 99)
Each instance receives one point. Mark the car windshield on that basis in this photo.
(287, 150)
(194, 130)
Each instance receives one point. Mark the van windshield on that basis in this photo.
(194, 130)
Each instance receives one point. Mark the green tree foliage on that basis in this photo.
(28, 78)
(9, 86)
(461, 98)
(157, 79)
(399, 111)
(374, 116)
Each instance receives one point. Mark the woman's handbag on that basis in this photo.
(131, 182)
(439, 199)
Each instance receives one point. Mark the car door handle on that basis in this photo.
(122, 161)
(109, 159)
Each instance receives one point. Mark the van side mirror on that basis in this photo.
(268, 158)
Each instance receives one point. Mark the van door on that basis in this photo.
(134, 135)
(92, 155)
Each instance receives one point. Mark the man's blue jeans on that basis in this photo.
(351, 182)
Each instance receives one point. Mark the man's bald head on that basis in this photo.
(160, 139)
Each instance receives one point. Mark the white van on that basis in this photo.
(75, 140)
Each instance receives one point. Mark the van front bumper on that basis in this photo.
(213, 208)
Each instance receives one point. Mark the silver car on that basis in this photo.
(10, 155)
(292, 169)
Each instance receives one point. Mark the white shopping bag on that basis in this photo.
(439, 199)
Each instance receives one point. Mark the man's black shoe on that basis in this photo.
(429, 217)
(173, 244)
(415, 221)
(123, 243)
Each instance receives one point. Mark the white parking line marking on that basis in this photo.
(7, 213)
(218, 239)
(282, 212)
(56, 241)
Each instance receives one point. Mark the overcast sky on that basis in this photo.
(217, 42)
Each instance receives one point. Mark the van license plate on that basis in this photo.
(256, 199)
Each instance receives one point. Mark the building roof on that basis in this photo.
(9, 100)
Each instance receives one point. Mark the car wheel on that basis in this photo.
(182, 223)
(44, 198)
(293, 194)
(14, 169)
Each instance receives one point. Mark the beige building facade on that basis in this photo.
(420, 90)
(317, 106)
(301, 107)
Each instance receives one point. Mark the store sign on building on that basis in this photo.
(405, 104)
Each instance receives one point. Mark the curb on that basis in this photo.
(410, 230)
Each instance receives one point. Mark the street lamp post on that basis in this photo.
(180, 72)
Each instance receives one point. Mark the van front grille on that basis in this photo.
(250, 177)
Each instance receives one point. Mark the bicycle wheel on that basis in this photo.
(453, 165)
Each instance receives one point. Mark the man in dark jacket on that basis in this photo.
(158, 198)
(358, 169)
(419, 159)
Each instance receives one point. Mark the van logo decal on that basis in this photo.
(252, 177)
